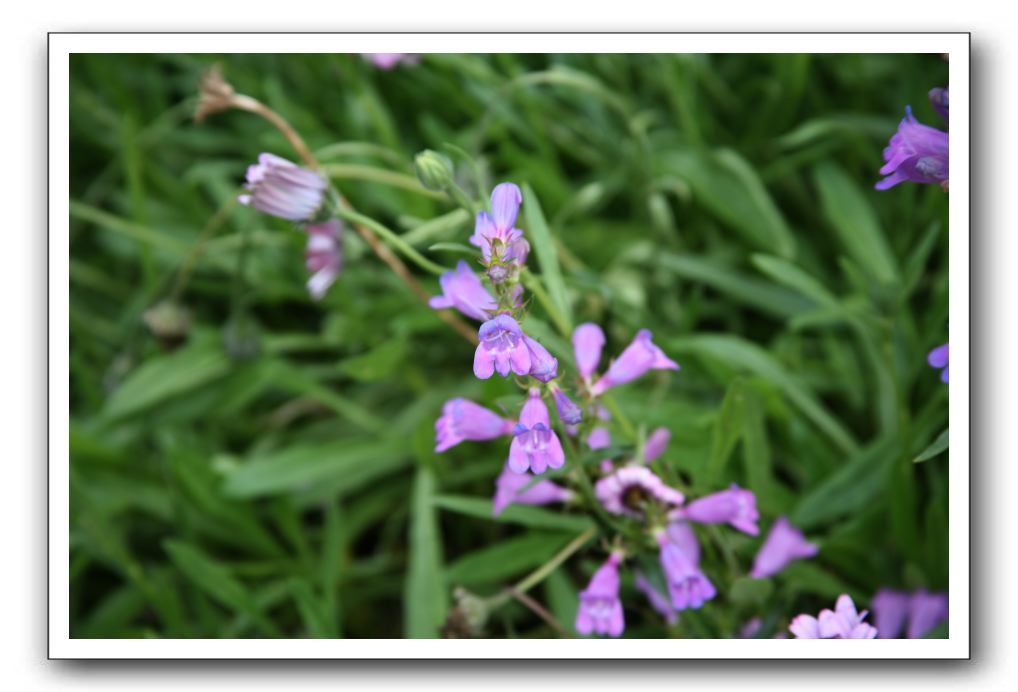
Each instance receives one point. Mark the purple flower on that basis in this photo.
(656, 444)
(841, 623)
(512, 487)
(628, 489)
(750, 629)
(916, 152)
(496, 234)
(599, 438)
(600, 610)
(638, 357)
(462, 419)
(543, 365)
(588, 340)
(387, 61)
(502, 348)
(939, 99)
(658, 601)
(890, 611)
(323, 255)
(535, 445)
(783, 544)
(284, 189)
(937, 358)
(461, 289)
(568, 412)
(734, 506)
(687, 585)
(926, 611)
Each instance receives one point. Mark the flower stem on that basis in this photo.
(392, 237)
(534, 285)
(544, 570)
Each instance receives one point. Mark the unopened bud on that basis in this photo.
(169, 322)
(498, 273)
(433, 170)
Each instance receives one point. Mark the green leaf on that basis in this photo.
(313, 612)
(747, 591)
(347, 465)
(502, 561)
(849, 489)
(810, 578)
(849, 211)
(158, 379)
(424, 594)
(727, 186)
(791, 275)
(534, 517)
(727, 431)
(378, 363)
(761, 295)
(937, 447)
(744, 354)
(217, 581)
(544, 248)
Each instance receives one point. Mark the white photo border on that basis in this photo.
(62, 45)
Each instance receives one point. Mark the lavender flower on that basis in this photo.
(512, 487)
(750, 628)
(656, 444)
(599, 438)
(687, 585)
(284, 189)
(939, 100)
(568, 412)
(734, 506)
(462, 419)
(638, 357)
(495, 234)
(783, 544)
(926, 611)
(627, 490)
(600, 609)
(461, 289)
(502, 348)
(658, 601)
(588, 340)
(543, 365)
(387, 61)
(535, 445)
(937, 358)
(916, 152)
(841, 623)
(323, 255)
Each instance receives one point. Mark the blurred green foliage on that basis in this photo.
(269, 472)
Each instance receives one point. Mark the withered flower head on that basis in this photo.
(215, 94)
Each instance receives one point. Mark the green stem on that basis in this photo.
(392, 238)
(354, 171)
(627, 426)
(533, 284)
(544, 570)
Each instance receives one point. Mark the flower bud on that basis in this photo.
(433, 170)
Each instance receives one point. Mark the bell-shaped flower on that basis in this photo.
(462, 419)
(784, 543)
(520, 488)
(638, 357)
(656, 444)
(688, 586)
(600, 610)
(735, 506)
(323, 255)
(568, 411)
(916, 152)
(588, 341)
(938, 358)
(461, 289)
(543, 365)
(495, 234)
(628, 489)
(284, 189)
(502, 348)
(841, 623)
(535, 445)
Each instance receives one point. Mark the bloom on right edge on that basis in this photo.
(938, 358)
(841, 623)
(916, 152)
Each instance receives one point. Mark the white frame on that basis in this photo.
(62, 45)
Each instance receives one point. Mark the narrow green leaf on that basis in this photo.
(216, 581)
(544, 248)
(346, 465)
(424, 594)
(784, 272)
(937, 447)
(502, 561)
(534, 517)
(744, 354)
(163, 377)
(727, 431)
(850, 213)
(313, 612)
